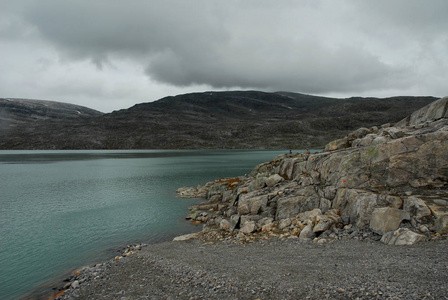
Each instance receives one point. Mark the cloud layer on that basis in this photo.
(132, 48)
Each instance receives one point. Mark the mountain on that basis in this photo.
(233, 120)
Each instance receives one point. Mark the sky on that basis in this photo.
(112, 54)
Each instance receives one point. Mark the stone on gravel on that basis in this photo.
(307, 232)
(185, 237)
(75, 284)
(248, 227)
(402, 237)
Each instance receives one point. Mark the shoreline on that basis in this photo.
(61, 283)
(278, 269)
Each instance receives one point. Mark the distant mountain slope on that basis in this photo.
(238, 119)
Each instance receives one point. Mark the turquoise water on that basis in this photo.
(60, 210)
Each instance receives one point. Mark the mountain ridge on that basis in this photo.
(230, 120)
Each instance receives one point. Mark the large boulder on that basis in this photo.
(402, 237)
(386, 219)
(357, 205)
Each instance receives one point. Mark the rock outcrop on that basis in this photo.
(376, 179)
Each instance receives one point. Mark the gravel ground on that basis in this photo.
(270, 269)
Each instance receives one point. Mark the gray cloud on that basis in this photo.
(324, 47)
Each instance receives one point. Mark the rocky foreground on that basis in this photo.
(385, 183)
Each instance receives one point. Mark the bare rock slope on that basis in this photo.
(387, 182)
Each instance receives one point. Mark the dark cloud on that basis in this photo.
(324, 47)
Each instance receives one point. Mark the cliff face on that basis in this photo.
(375, 180)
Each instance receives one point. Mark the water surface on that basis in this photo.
(60, 210)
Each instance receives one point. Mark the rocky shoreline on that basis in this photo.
(388, 183)
(307, 226)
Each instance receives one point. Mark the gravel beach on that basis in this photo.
(270, 269)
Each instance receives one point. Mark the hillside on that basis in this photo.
(238, 119)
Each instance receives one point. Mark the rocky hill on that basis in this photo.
(387, 182)
(230, 120)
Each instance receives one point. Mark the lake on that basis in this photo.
(60, 210)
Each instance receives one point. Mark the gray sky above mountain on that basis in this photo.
(111, 54)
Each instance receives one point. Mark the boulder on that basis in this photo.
(441, 225)
(243, 209)
(431, 112)
(224, 225)
(307, 232)
(248, 227)
(402, 237)
(309, 215)
(304, 199)
(386, 219)
(273, 180)
(185, 237)
(234, 221)
(251, 203)
(257, 184)
(337, 144)
(360, 133)
(323, 223)
(358, 205)
(416, 207)
(284, 223)
(390, 201)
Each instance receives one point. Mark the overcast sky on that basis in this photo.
(112, 54)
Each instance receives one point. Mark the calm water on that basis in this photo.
(60, 210)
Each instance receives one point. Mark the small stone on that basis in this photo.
(284, 223)
(75, 284)
(224, 224)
